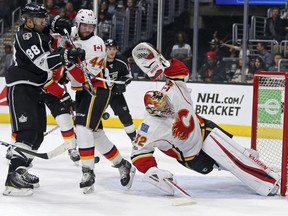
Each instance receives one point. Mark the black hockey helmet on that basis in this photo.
(34, 10)
(111, 43)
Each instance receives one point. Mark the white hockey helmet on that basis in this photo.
(85, 16)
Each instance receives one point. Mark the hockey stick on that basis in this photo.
(111, 81)
(50, 131)
(91, 91)
(186, 200)
(86, 72)
(48, 155)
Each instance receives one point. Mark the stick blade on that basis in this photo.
(182, 201)
(60, 149)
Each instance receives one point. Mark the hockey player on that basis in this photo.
(92, 98)
(173, 127)
(119, 71)
(32, 73)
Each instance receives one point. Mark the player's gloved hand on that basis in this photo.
(118, 89)
(70, 56)
(156, 177)
(74, 54)
(64, 79)
(126, 80)
(58, 24)
(67, 101)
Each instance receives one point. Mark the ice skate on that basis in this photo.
(16, 186)
(88, 180)
(27, 177)
(9, 153)
(127, 173)
(74, 156)
(274, 190)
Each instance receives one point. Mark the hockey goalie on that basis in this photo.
(172, 126)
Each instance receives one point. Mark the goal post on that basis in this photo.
(269, 131)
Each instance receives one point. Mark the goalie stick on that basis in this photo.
(48, 155)
(186, 200)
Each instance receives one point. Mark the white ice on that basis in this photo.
(218, 193)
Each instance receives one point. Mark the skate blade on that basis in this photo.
(132, 174)
(76, 163)
(36, 185)
(88, 190)
(11, 191)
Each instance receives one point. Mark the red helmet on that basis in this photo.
(158, 104)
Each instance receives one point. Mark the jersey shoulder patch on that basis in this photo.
(144, 127)
(26, 36)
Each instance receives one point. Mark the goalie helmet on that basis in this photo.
(158, 104)
(150, 61)
(85, 16)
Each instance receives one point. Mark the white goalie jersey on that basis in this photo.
(180, 136)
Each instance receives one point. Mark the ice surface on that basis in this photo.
(218, 193)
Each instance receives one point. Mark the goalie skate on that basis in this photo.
(74, 156)
(16, 186)
(127, 173)
(88, 180)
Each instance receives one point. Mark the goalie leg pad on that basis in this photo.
(157, 177)
(241, 162)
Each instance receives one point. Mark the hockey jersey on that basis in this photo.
(34, 61)
(95, 62)
(179, 137)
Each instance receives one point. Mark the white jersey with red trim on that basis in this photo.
(95, 54)
(179, 137)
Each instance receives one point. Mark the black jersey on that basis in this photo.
(118, 68)
(33, 59)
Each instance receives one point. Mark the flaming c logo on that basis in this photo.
(179, 128)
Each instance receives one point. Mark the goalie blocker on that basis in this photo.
(241, 162)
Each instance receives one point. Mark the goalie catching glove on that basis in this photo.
(150, 61)
(157, 177)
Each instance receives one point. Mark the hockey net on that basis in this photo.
(270, 122)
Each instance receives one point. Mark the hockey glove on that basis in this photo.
(70, 56)
(119, 89)
(64, 79)
(67, 101)
(58, 25)
(156, 177)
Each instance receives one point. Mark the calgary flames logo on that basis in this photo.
(179, 128)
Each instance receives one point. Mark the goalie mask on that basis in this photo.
(158, 104)
(150, 61)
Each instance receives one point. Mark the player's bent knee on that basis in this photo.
(202, 163)
(30, 137)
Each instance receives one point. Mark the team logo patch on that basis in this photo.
(144, 127)
(27, 36)
(23, 118)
